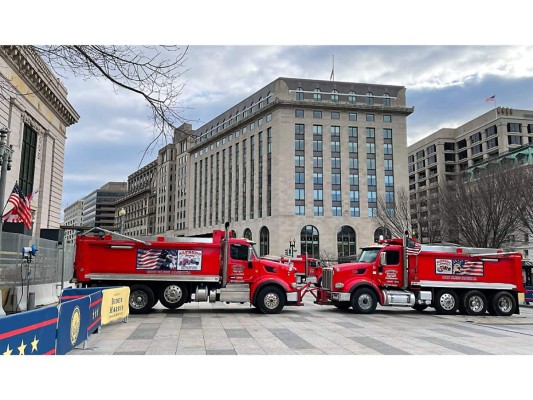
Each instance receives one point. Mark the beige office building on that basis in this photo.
(299, 160)
(442, 155)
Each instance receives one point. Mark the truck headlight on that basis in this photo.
(339, 285)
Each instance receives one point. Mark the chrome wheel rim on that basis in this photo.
(138, 299)
(447, 301)
(271, 301)
(365, 301)
(505, 304)
(476, 303)
(173, 293)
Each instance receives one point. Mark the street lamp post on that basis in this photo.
(6, 153)
(121, 215)
(292, 244)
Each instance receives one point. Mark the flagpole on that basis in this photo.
(333, 69)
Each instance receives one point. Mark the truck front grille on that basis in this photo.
(327, 278)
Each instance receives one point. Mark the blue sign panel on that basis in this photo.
(73, 325)
(29, 333)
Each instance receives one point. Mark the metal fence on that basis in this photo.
(51, 264)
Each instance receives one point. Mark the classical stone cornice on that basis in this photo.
(41, 80)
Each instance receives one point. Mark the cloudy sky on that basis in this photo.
(447, 86)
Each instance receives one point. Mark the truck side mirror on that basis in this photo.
(250, 258)
(383, 259)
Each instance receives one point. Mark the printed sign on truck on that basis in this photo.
(458, 267)
(172, 260)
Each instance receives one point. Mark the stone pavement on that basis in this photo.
(237, 329)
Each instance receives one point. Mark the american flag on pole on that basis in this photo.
(21, 211)
(491, 98)
(413, 247)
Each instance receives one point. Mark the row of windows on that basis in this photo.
(234, 119)
(236, 134)
(335, 96)
(335, 130)
(300, 113)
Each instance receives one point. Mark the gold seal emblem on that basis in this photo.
(75, 323)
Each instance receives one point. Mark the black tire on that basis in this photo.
(475, 303)
(446, 302)
(270, 300)
(420, 307)
(141, 299)
(503, 304)
(172, 295)
(319, 282)
(364, 301)
(344, 305)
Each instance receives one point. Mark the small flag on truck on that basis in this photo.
(413, 247)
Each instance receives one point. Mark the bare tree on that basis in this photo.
(394, 216)
(525, 193)
(484, 210)
(151, 72)
(328, 257)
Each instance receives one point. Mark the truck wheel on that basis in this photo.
(141, 299)
(503, 304)
(364, 301)
(172, 295)
(446, 302)
(271, 300)
(319, 282)
(475, 302)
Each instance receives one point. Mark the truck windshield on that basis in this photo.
(368, 255)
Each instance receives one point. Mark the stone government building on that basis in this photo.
(303, 160)
(299, 160)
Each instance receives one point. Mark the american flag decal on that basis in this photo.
(156, 259)
(148, 259)
(464, 267)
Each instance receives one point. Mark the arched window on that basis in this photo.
(247, 234)
(269, 98)
(232, 234)
(317, 96)
(264, 241)
(252, 108)
(351, 97)
(346, 243)
(310, 241)
(386, 100)
(370, 99)
(244, 112)
(261, 102)
(299, 94)
(335, 95)
(382, 231)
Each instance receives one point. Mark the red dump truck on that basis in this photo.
(401, 272)
(175, 271)
(308, 269)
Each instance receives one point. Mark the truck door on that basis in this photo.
(390, 273)
(239, 270)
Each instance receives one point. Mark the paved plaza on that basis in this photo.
(235, 329)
